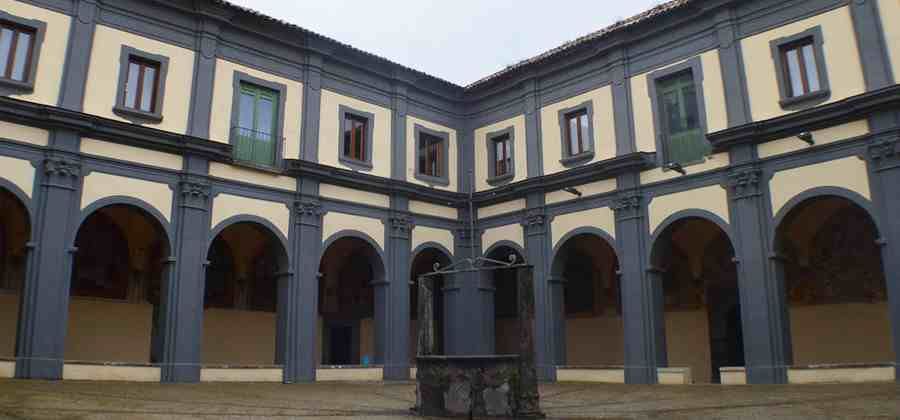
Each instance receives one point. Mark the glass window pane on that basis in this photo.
(812, 71)
(691, 111)
(672, 109)
(148, 88)
(793, 63)
(573, 136)
(245, 112)
(6, 37)
(131, 85)
(348, 130)
(583, 119)
(23, 47)
(265, 116)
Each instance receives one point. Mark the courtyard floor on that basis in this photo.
(97, 400)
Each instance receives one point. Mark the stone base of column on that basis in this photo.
(767, 375)
(546, 373)
(181, 374)
(396, 373)
(50, 370)
(640, 375)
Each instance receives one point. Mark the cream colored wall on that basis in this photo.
(481, 157)
(90, 372)
(421, 207)
(595, 341)
(687, 342)
(103, 76)
(501, 208)
(98, 185)
(587, 190)
(713, 97)
(9, 317)
(106, 330)
(131, 154)
(7, 369)
(512, 233)
(423, 234)
(714, 161)
(713, 199)
(604, 139)
(238, 337)
(412, 147)
(19, 172)
(330, 136)
(841, 60)
(847, 375)
(223, 94)
(821, 137)
(234, 173)
(841, 333)
(254, 375)
(227, 205)
(334, 222)
(24, 133)
(350, 374)
(604, 376)
(849, 173)
(890, 22)
(53, 51)
(355, 196)
(602, 218)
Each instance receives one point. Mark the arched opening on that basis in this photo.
(506, 308)
(423, 263)
(835, 283)
(695, 260)
(349, 269)
(15, 230)
(593, 332)
(240, 297)
(115, 292)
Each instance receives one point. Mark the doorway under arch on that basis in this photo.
(15, 231)
(506, 313)
(423, 263)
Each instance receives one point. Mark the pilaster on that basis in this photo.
(78, 55)
(301, 319)
(312, 105)
(871, 44)
(200, 113)
(396, 363)
(537, 247)
(398, 137)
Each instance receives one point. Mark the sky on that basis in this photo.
(457, 40)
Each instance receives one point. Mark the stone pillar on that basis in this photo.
(642, 315)
(43, 315)
(556, 301)
(872, 46)
(396, 364)
(312, 102)
(884, 163)
(204, 77)
(381, 289)
(537, 248)
(181, 303)
(284, 281)
(301, 318)
(78, 55)
(464, 311)
(763, 308)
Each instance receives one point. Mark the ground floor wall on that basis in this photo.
(845, 333)
(9, 315)
(101, 330)
(234, 337)
(595, 341)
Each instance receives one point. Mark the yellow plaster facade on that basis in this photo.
(19, 172)
(227, 205)
(513, 233)
(423, 234)
(98, 185)
(505, 207)
(481, 156)
(24, 134)
(51, 63)
(601, 218)
(330, 136)
(412, 148)
(587, 190)
(821, 137)
(334, 222)
(849, 173)
(421, 207)
(712, 199)
(337, 192)
(604, 139)
(131, 154)
(252, 176)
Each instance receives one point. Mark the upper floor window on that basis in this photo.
(577, 134)
(684, 140)
(800, 69)
(141, 85)
(16, 51)
(142, 81)
(355, 148)
(431, 155)
(255, 130)
(502, 158)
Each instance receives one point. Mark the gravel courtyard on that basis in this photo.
(93, 400)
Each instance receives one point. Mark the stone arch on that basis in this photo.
(253, 219)
(584, 230)
(818, 192)
(496, 246)
(148, 209)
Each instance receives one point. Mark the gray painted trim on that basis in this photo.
(695, 66)
(78, 53)
(311, 111)
(137, 116)
(9, 86)
(343, 113)
(870, 38)
(493, 179)
(399, 108)
(809, 99)
(444, 179)
(281, 89)
(568, 159)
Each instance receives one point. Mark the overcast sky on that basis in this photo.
(457, 40)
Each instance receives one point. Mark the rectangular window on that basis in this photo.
(355, 127)
(141, 85)
(431, 149)
(255, 132)
(801, 71)
(577, 132)
(16, 50)
(502, 147)
(684, 139)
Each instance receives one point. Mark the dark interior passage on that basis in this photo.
(15, 231)
(423, 263)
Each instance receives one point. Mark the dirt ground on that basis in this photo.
(95, 400)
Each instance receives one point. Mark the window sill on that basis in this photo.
(500, 180)
(9, 86)
(577, 159)
(357, 165)
(810, 99)
(433, 180)
(271, 169)
(138, 117)
(684, 165)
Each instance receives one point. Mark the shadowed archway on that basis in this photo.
(423, 262)
(15, 231)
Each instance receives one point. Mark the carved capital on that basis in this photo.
(884, 153)
(534, 222)
(401, 225)
(744, 183)
(309, 212)
(195, 193)
(628, 206)
(62, 172)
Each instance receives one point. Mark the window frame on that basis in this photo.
(278, 134)
(356, 164)
(568, 159)
(695, 66)
(809, 99)
(135, 115)
(444, 179)
(15, 87)
(493, 178)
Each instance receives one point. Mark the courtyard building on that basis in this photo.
(707, 192)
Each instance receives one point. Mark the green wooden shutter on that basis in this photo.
(255, 133)
(684, 140)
